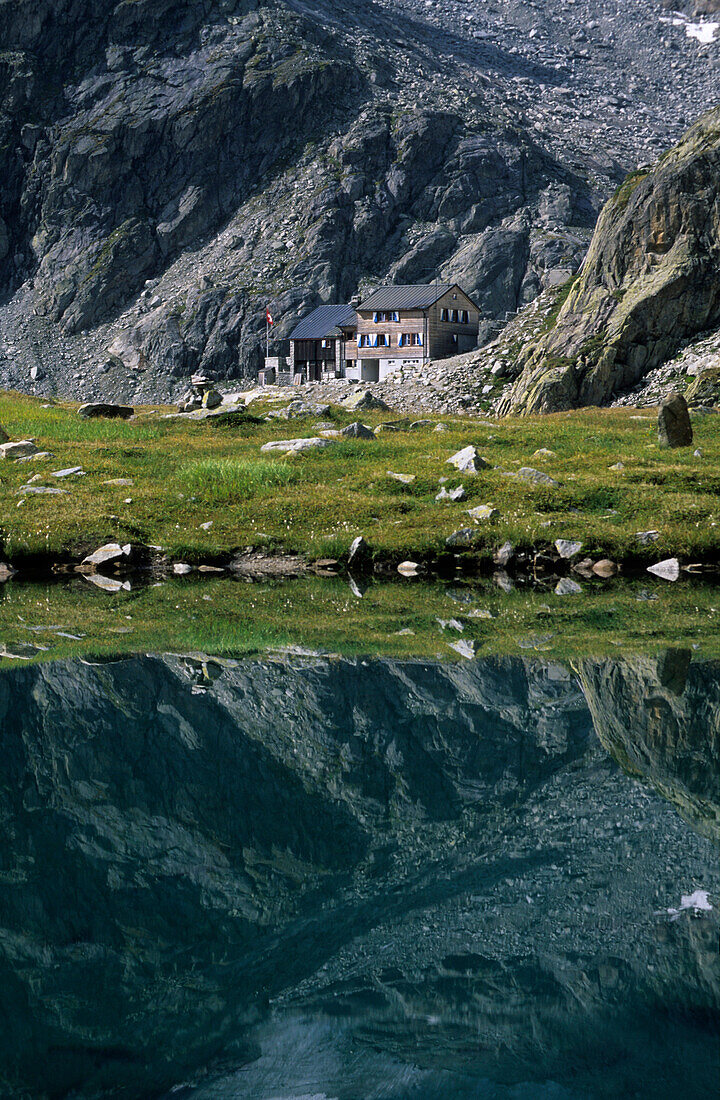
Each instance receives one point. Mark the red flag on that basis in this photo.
(268, 317)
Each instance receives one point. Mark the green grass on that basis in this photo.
(229, 480)
(186, 474)
(231, 618)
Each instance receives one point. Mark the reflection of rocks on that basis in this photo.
(184, 839)
(661, 720)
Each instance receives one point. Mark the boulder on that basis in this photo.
(468, 461)
(298, 409)
(451, 494)
(567, 549)
(484, 512)
(94, 410)
(287, 445)
(669, 569)
(212, 399)
(705, 389)
(504, 554)
(674, 427)
(111, 551)
(651, 281)
(404, 479)
(535, 477)
(567, 587)
(605, 568)
(465, 536)
(359, 553)
(41, 490)
(356, 430)
(24, 448)
(365, 400)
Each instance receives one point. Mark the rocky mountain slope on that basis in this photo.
(651, 280)
(445, 848)
(169, 171)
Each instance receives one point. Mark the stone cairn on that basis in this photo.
(201, 394)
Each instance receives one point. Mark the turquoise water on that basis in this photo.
(306, 877)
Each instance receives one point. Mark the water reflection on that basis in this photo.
(357, 879)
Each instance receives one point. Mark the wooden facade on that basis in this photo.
(373, 341)
(412, 337)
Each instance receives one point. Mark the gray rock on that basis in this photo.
(484, 512)
(567, 587)
(94, 409)
(308, 444)
(674, 427)
(41, 490)
(669, 569)
(72, 471)
(212, 399)
(356, 430)
(451, 494)
(567, 549)
(404, 479)
(645, 538)
(359, 554)
(23, 448)
(299, 409)
(365, 400)
(465, 536)
(536, 477)
(468, 460)
(111, 551)
(504, 555)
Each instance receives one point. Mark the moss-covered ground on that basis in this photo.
(186, 475)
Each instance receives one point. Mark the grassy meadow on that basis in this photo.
(186, 475)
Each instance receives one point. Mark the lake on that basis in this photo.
(305, 876)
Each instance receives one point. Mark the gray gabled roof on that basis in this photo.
(406, 297)
(323, 322)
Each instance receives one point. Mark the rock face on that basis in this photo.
(705, 390)
(650, 281)
(674, 427)
(169, 170)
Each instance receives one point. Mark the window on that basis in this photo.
(383, 317)
(454, 338)
(465, 317)
(455, 316)
(409, 339)
(444, 314)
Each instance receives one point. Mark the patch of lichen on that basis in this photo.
(624, 192)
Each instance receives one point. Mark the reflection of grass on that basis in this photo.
(188, 473)
(226, 617)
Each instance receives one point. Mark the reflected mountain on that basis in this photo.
(431, 876)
